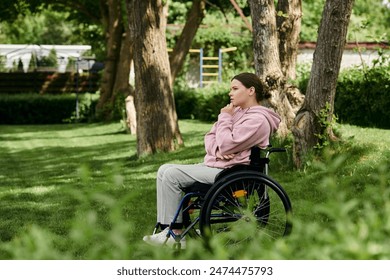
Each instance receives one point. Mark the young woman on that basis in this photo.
(242, 124)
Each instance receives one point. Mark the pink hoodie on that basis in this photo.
(237, 133)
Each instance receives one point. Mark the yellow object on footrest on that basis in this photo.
(239, 193)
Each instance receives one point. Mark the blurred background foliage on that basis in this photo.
(221, 27)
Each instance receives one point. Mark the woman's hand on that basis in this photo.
(228, 109)
(225, 157)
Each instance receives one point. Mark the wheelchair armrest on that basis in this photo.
(234, 168)
(277, 150)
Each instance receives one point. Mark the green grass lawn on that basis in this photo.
(77, 191)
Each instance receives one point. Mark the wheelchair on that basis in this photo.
(240, 194)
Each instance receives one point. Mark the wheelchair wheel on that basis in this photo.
(242, 197)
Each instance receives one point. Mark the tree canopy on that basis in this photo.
(370, 21)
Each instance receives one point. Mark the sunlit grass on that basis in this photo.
(81, 186)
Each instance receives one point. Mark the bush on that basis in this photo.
(44, 109)
(211, 100)
(303, 75)
(363, 95)
(186, 102)
(203, 104)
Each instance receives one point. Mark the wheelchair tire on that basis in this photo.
(245, 196)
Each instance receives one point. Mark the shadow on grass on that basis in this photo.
(89, 190)
(49, 185)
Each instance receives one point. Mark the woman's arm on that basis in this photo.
(210, 141)
(243, 135)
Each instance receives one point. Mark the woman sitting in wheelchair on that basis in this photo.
(242, 124)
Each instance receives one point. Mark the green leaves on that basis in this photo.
(362, 94)
(326, 121)
(73, 192)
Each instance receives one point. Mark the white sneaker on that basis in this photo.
(161, 239)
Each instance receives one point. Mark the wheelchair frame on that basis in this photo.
(206, 199)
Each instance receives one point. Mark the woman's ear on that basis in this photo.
(252, 91)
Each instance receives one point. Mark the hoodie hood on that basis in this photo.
(259, 113)
(272, 118)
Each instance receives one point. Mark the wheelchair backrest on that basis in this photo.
(256, 159)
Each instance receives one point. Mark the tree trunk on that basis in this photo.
(183, 44)
(123, 93)
(285, 100)
(265, 42)
(128, 55)
(112, 21)
(122, 87)
(288, 21)
(321, 89)
(131, 115)
(157, 124)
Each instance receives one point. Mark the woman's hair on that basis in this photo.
(251, 80)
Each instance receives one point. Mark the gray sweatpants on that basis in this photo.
(172, 179)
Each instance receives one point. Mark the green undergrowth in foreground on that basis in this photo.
(77, 191)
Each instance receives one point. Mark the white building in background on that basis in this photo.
(15, 52)
(355, 54)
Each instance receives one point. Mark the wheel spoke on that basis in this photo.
(242, 200)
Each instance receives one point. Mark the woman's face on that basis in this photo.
(240, 96)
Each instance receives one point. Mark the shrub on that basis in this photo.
(363, 95)
(186, 102)
(211, 100)
(303, 75)
(43, 109)
(203, 104)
